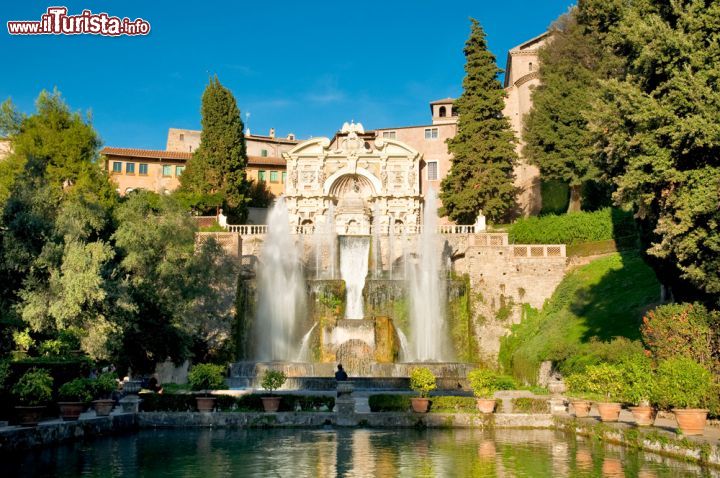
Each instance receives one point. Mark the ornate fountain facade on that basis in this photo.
(366, 183)
(354, 268)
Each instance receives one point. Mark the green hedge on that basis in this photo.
(183, 402)
(530, 405)
(389, 403)
(574, 228)
(453, 405)
(439, 404)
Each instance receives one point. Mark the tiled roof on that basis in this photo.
(443, 101)
(266, 161)
(146, 153)
(180, 155)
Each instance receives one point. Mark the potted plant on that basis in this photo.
(205, 377)
(422, 380)
(33, 391)
(103, 388)
(685, 385)
(606, 381)
(271, 381)
(577, 387)
(73, 396)
(640, 389)
(484, 384)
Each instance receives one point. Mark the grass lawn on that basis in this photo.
(594, 303)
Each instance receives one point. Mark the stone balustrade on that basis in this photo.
(397, 230)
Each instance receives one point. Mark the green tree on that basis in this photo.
(216, 173)
(481, 176)
(556, 136)
(53, 164)
(176, 295)
(658, 136)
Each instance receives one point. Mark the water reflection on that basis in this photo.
(346, 453)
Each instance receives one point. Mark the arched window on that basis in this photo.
(530, 65)
(454, 111)
(442, 112)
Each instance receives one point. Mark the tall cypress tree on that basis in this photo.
(572, 64)
(481, 175)
(216, 173)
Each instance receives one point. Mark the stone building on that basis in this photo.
(353, 181)
(160, 170)
(521, 77)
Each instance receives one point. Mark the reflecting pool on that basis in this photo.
(345, 452)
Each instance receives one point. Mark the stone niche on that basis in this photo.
(353, 183)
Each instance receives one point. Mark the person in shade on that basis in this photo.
(340, 375)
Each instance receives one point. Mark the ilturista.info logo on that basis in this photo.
(56, 21)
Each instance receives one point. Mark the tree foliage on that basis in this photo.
(657, 132)
(556, 135)
(217, 168)
(481, 175)
(126, 276)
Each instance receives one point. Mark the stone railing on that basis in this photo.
(397, 230)
(538, 250)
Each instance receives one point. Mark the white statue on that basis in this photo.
(222, 219)
(480, 225)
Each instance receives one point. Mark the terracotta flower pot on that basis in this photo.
(420, 405)
(71, 410)
(691, 421)
(271, 404)
(29, 416)
(205, 404)
(581, 407)
(485, 405)
(609, 411)
(644, 415)
(103, 407)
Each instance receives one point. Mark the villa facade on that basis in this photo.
(159, 171)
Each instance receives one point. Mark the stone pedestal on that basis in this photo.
(130, 404)
(558, 406)
(345, 403)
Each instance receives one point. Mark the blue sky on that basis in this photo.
(301, 67)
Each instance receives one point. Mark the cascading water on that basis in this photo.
(427, 286)
(281, 289)
(354, 252)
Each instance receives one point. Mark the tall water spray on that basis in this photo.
(428, 330)
(281, 290)
(354, 252)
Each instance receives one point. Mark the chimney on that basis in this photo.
(291, 137)
(272, 132)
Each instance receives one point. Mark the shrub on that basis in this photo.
(104, 385)
(389, 403)
(530, 405)
(639, 384)
(34, 388)
(577, 385)
(77, 390)
(574, 228)
(604, 381)
(683, 330)
(485, 383)
(272, 380)
(4, 373)
(207, 376)
(683, 383)
(422, 380)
